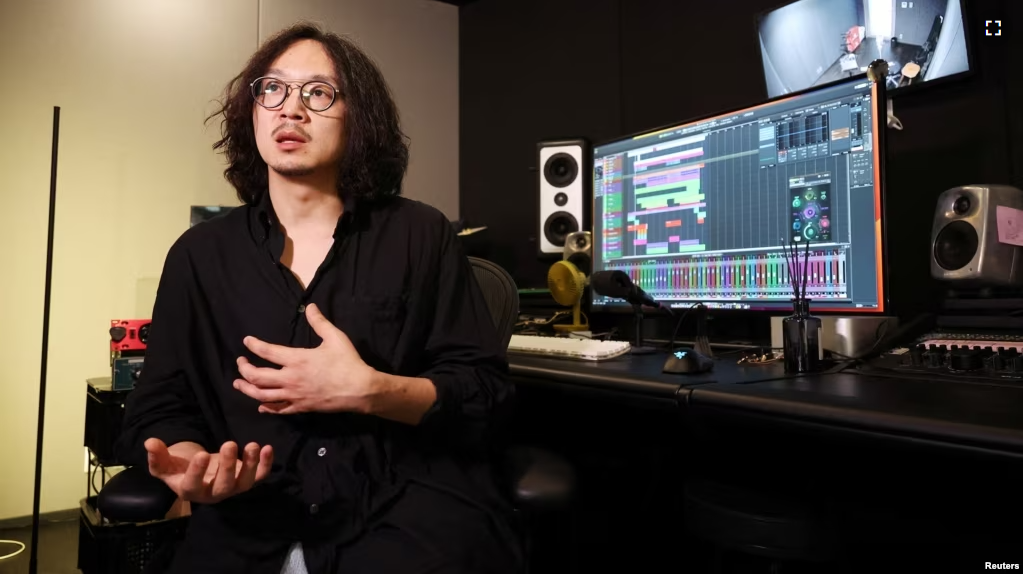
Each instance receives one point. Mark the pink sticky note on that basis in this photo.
(1008, 225)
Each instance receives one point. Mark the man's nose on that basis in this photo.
(292, 107)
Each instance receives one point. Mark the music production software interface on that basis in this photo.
(698, 212)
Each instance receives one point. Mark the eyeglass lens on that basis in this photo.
(270, 93)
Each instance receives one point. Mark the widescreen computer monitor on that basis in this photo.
(699, 212)
(813, 42)
(201, 213)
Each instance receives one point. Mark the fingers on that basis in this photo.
(224, 481)
(156, 456)
(247, 471)
(266, 462)
(327, 331)
(263, 395)
(277, 354)
(154, 445)
(279, 408)
(210, 479)
(320, 324)
(193, 487)
(261, 376)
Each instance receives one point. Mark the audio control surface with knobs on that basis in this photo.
(970, 358)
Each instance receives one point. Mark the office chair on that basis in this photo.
(537, 481)
(540, 482)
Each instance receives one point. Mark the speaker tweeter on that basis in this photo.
(578, 250)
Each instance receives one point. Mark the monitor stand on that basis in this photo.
(638, 347)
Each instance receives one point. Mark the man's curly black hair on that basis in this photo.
(376, 151)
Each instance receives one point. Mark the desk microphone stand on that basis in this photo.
(638, 347)
(702, 344)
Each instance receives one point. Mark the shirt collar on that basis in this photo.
(264, 220)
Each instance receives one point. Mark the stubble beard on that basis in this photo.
(287, 170)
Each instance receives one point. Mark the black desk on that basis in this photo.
(947, 414)
(636, 380)
(950, 414)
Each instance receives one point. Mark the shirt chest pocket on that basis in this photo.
(375, 324)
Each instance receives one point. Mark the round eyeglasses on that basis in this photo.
(272, 92)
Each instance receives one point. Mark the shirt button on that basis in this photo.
(302, 309)
(313, 509)
(321, 452)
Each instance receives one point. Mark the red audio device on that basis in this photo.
(128, 336)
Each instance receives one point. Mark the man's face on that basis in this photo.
(293, 139)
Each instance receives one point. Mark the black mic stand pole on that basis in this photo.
(33, 564)
(638, 347)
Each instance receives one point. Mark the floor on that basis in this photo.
(58, 548)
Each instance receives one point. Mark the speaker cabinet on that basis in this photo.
(578, 249)
(976, 236)
(565, 182)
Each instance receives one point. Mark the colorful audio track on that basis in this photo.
(611, 195)
(666, 184)
(747, 276)
(665, 208)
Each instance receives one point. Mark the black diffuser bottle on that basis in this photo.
(801, 339)
(801, 332)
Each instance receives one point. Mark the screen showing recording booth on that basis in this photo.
(813, 42)
(698, 212)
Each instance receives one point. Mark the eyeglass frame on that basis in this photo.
(288, 87)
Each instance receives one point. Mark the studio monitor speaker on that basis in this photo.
(578, 247)
(976, 236)
(565, 180)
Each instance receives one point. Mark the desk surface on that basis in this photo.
(968, 414)
(635, 374)
(954, 413)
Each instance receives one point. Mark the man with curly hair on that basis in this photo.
(322, 374)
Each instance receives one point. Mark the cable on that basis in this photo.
(886, 341)
(891, 120)
(672, 340)
(16, 552)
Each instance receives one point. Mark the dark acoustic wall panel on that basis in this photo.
(606, 68)
(1011, 44)
(529, 70)
(687, 59)
(955, 133)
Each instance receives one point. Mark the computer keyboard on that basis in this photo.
(567, 347)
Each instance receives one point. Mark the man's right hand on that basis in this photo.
(198, 476)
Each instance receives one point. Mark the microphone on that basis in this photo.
(618, 285)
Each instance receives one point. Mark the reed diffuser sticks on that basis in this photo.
(801, 333)
(797, 272)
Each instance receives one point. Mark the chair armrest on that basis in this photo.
(538, 480)
(133, 495)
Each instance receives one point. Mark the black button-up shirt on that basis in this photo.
(397, 283)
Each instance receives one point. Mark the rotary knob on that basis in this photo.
(965, 359)
(917, 355)
(997, 362)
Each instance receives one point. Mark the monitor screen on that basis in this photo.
(814, 42)
(201, 213)
(698, 211)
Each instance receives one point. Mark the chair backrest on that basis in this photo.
(501, 294)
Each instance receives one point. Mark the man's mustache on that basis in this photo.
(290, 128)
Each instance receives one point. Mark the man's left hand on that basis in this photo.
(330, 378)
